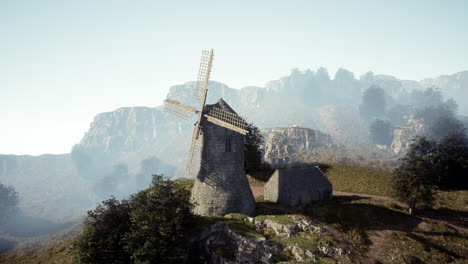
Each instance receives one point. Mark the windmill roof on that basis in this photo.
(220, 104)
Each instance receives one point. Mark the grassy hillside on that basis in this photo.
(359, 179)
(371, 230)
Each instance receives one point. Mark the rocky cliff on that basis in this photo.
(283, 145)
(404, 135)
(131, 134)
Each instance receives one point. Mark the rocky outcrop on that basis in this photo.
(283, 230)
(221, 245)
(282, 145)
(404, 135)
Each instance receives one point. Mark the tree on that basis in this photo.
(102, 240)
(381, 132)
(430, 97)
(8, 201)
(412, 179)
(444, 126)
(147, 228)
(252, 149)
(451, 168)
(373, 103)
(159, 217)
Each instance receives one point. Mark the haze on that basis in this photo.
(63, 62)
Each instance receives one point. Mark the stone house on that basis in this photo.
(298, 186)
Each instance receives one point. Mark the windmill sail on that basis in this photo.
(195, 151)
(227, 119)
(201, 92)
(203, 76)
(178, 109)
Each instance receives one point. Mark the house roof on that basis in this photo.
(308, 177)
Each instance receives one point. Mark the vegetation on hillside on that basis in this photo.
(430, 164)
(8, 201)
(252, 152)
(412, 177)
(373, 103)
(149, 227)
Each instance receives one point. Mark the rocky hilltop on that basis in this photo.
(282, 145)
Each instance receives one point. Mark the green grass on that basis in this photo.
(357, 179)
(441, 245)
(60, 253)
(187, 183)
(285, 219)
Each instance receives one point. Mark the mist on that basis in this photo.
(124, 148)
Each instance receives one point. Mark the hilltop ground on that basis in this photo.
(363, 219)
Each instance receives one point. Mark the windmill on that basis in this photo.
(216, 154)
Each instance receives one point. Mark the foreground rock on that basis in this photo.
(221, 245)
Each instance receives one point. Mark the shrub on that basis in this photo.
(159, 216)
(102, 240)
(147, 228)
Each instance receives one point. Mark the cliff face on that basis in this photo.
(132, 134)
(404, 135)
(282, 145)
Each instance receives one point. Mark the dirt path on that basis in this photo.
(373, 197)
(426, 215)
(258, 191)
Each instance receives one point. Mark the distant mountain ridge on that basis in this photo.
(130, 135)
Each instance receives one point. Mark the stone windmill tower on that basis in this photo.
(217, 152)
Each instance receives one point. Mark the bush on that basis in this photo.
(159, 216)
(104, 229)
(147, 228)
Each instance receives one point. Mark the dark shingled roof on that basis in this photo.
(220, 104)
(299, 178)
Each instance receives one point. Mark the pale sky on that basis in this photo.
(63, 62)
